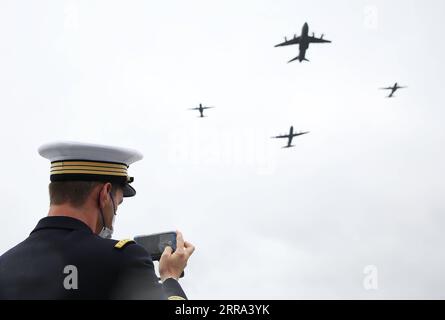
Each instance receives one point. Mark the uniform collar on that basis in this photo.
(61, 222)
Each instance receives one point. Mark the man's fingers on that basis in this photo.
(167, 251)
(183, 247)
(190, 248)
(179, 240)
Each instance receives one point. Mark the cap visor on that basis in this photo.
(128, 191)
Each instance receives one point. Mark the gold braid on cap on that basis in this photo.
(81, 169)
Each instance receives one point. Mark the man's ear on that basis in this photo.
(104, 194)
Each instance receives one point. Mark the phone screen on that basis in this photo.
(155, 243)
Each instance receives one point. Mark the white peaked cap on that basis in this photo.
(78, 161)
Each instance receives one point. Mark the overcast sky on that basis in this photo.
(363, 190)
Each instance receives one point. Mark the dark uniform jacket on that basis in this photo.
(63, 259)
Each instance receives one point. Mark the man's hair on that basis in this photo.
(74, 192)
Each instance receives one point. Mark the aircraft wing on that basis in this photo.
(280, 137)
(193, 109)
(318, 40)
(299, 133)
(289, 42)
(387, 88)
(207, 107)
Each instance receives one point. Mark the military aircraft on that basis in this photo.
(393, 89)
(303, 40)
(201, 109)
(290, 136)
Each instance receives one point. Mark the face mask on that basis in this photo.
(106, 232)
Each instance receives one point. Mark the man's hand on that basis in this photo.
(172, 264)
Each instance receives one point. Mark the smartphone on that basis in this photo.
(156, 243)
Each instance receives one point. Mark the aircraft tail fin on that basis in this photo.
(299, 59)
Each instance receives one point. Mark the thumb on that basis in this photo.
(167, 251)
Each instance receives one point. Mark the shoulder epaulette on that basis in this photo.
(175, 298)
(123, 243)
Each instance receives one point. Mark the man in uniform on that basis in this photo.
(70, 253)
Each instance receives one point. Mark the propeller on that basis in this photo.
(285, 39)
(322, 35)
(295, 36)
(313, 34)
